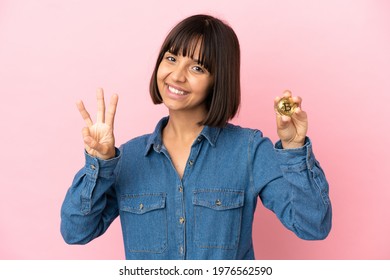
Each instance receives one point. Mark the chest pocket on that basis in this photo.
(218, 215)
(144, 219)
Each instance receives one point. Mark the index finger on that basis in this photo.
(296, 99)
(286, 94)
(112, 110)
(84, 113)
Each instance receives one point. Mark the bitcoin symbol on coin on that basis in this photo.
(286, 106)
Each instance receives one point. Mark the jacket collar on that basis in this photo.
(155, 139)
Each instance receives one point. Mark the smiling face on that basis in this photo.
(208, 43)
(184, 83)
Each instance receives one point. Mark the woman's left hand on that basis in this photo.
(292, 130)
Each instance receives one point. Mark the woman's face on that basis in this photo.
(183, 83)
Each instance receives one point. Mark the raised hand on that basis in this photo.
(99, 137)
(292, 130)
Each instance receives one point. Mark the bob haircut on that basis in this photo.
(219, 54)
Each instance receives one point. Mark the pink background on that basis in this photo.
(335, 54)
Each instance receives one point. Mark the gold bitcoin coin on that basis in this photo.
(286, 106)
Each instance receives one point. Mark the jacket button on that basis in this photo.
(141, 206)
(218, 202)
(181, 220)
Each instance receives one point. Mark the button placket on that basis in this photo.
(180, 220)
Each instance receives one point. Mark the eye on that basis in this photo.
(170, 58)
(199, 69)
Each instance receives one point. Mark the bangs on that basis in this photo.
(186, 42)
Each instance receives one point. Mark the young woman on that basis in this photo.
(189, 190)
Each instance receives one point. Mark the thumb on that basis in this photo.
(283, 121)
(300, 115)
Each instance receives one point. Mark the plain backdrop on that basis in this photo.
(334, 54)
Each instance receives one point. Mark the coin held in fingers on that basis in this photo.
(286, 106)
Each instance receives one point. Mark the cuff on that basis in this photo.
(98, 167)
(294, 159)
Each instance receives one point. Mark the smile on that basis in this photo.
(176, 91)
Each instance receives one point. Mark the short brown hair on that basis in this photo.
(219, 54)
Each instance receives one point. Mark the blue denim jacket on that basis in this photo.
(208, 214)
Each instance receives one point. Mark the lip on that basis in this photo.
(176, 87)
(174, 94)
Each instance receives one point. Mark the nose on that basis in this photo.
(179, 74)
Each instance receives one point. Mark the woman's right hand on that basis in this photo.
(99, 137)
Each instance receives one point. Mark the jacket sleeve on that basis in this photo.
(90, 203)
(292, 184)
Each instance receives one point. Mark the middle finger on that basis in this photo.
(101, 106)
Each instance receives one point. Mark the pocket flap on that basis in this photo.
(142, 203)
(219, 199)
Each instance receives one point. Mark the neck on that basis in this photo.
(183, 127)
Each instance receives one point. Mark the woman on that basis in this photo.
(189, 190)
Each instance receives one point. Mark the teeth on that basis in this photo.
(176, 91)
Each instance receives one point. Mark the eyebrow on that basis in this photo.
(197, 61)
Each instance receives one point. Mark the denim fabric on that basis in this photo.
(207, 214)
